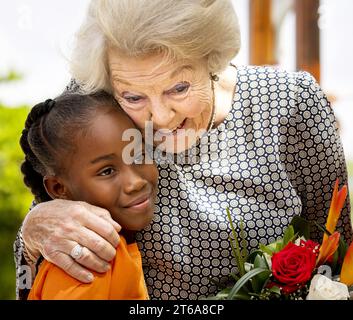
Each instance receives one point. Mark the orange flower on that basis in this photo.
(337, 203)
(347, 267)
(328, 248)
(330, 243)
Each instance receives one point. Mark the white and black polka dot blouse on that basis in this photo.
(276, 155)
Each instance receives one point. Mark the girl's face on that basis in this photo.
(97, 173)
(173, 95)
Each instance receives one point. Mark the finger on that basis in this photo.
(91, 261)
(101, 227)
(104, 214)
(88, 259)
(97, 245)
(71, 267)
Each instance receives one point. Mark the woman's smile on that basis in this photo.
(173, 131)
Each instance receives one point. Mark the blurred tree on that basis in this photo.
(15, 198)
(10, 76)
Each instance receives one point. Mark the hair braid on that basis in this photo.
(32, 168)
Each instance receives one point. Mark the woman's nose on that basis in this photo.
(161, 114)
(132, 181)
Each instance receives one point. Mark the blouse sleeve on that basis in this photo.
(25, 268)
(320, 157)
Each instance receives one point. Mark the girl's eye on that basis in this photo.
(180, 88)
(106, 172)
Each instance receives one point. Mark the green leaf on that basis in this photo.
(260, 280)
(234, 276)
(301, 227)
(275, 290)
(260, 262)
(236, 251)
(223, 295)
(216, 283)
(267, 249)
(244, 279)
(323, 229)
(339, 253)
(279, 246)
(288, 235)
(243, 241)
(251, 257)
(238, 259)
(334, 262)
(339, 256)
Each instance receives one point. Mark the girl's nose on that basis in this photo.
(132, 181)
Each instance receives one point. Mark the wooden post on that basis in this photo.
(308, 36)
(262, 33)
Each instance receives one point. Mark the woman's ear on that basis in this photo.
(55, 188)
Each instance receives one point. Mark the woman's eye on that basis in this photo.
(180, 88)
(133, 99)
(106, 172)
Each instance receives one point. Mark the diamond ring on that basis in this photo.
(76, 252)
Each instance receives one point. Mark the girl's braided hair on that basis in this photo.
(50, 130)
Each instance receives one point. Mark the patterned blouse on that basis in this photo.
(276, 155)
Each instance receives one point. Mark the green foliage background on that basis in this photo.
(15, 198)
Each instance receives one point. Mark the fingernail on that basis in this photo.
(89, 277)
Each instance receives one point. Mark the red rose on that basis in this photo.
(311, 245)
(293, 266)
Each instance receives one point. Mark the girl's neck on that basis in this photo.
(128, 235)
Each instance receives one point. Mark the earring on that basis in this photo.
(214, 77)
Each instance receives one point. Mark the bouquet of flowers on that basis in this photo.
(295, 267)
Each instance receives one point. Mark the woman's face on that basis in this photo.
(176, 96)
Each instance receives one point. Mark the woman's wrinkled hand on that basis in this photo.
(52, 229)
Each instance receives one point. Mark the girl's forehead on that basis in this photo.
(106, 131)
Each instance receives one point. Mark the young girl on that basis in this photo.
(74, 150)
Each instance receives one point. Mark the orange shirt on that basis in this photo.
(124, 281)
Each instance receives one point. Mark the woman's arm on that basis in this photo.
(320, 157)
(51, 229)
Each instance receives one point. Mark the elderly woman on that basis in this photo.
(269, 151)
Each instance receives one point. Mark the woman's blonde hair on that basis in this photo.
(181, 29)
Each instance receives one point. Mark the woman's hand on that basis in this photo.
(55, 227)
